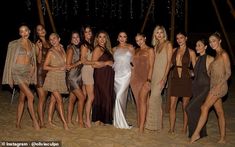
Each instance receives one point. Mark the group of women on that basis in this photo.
(99, 76)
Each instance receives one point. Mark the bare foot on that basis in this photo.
(81, 125)
(183, 131)
(18, 126)
(171, 132)
(70, 125)
(88, 124)
(52, 124)
(222, 141)
(194, 138)
(66, 126)
(36, 125)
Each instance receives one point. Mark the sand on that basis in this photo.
(108, 136)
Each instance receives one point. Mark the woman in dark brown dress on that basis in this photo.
(102, 111)
(200, 87)
(180, 80)
(42, 46)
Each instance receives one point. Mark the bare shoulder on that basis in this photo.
(209, 58)
(114, 49)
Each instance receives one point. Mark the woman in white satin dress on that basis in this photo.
(123, 53)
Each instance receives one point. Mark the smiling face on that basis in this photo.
(75, 38)
(102, 39)
(41, 31)
(54, 39)
(214, 42)
(24, 32)
(140, 40)
(122, 37)
(181, 39)
(201, 47)
(87, 33)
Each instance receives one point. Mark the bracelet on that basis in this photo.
(148, 80)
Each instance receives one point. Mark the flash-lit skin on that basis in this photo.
(88, 89)
(42, 43)
(55, 42)
(181, 40)
(214, 100)
(76, 93)
(143, 96)
(25, 91)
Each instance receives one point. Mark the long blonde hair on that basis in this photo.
(154, 40)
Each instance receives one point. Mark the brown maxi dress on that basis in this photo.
(139, 73)
(102, 109)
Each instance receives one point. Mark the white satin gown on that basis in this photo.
(122, 68)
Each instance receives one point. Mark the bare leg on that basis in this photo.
(220, 113)
(173, 103)
(72, 99)
(210, 101)
(30, 98)
(51, 110)
(185, 117)
(81, 100)
(143, 97)
(90, 94)
(20, 109)
(137, 110)
(60, 107)
(41, 105)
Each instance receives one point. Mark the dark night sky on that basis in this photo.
(202, 19)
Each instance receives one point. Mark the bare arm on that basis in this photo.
(169, 50)
(39, 51)
(227, 66)
(151, 63)
(84, 51)
(96, 55)
(192, 57)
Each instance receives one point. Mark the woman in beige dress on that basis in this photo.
(141, 76)
(163, 53)
(219, 72)
(55, 82)
(87, 71)
(20, 69)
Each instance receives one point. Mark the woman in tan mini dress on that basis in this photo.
(219, 72)
(20, 69)
(55, 82)
(87, 71)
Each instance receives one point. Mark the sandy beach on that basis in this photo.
(108, 136)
